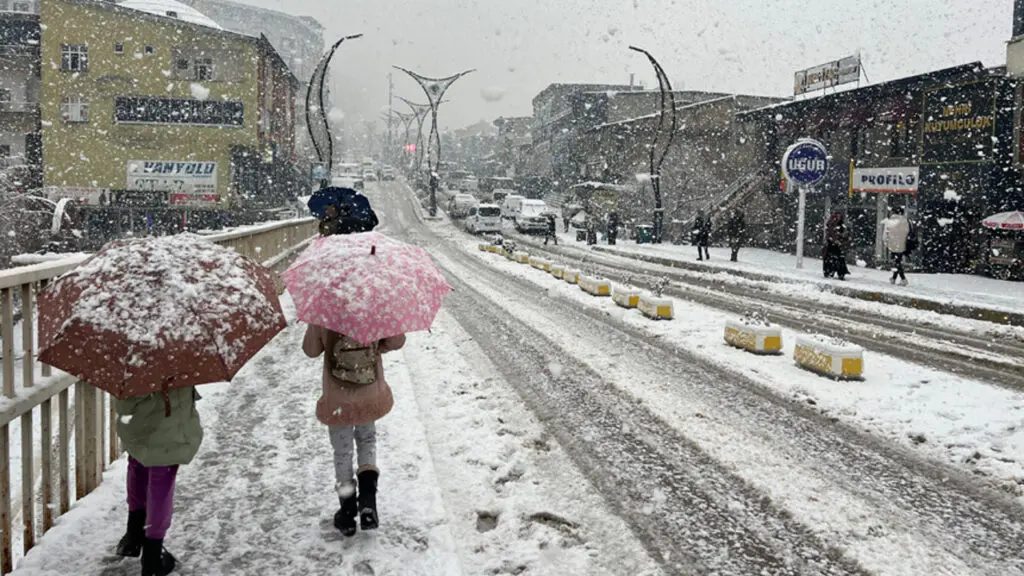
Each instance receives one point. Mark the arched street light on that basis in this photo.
(420, 112)
(661, 143)
(316, 116)
(434, 88)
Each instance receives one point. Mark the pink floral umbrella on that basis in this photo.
(1005, 221)
(366, 286)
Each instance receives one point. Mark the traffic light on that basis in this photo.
(410, 148)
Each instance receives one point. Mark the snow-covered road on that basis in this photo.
(535, 434)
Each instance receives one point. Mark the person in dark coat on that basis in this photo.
(613, 227)
(702, 235)
(837, 239)
(329, 225)
(341, 220)
(552, 230)
(736, 230)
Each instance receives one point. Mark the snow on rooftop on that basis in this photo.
(172, 9)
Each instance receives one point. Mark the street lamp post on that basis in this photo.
(420, 111)
(320, 129)
(406, 119)
(434, 88)
(657, 151)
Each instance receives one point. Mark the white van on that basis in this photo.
(512, 205)
(484, 218)
(459, 205)
(499, 195)
(532, 216)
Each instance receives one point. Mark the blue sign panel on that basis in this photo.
(806, 162)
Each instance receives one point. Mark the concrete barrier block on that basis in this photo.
(656, 308)
(521, 257)
(571, 275)
(540, 263)
(558, 271)
(493, 249)
(828, 357)
(595, 286)
(482, 247)
(759, 339)
(626, 297)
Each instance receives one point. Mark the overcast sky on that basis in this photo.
(750, 46)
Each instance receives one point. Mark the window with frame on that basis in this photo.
(118, 48)
(5, 96)
(149, 50)
(73, 109)
(202, 69)
(74, 57)
(5, 150)
(25, 7)
(4, 5)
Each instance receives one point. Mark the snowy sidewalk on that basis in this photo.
(948, 293)
(464, 487)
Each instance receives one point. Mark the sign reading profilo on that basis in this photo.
(185, 182)
(959, 124)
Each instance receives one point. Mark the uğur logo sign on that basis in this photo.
(805, 162)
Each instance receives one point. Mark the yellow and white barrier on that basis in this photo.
(557, 270)
(656, 308)
(521, 257)
(540, 263)
(757, 339)
(493, 249)
(595, 286)
(840, 361)
(482, 247)
(626, 297)
(571, 275)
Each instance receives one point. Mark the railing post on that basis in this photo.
(81, 440)
(6, 556)
(28, 360)
(7, 333)
(64, 454)
(114, 453)
(28, 484)
(46, 461)
(46, 367)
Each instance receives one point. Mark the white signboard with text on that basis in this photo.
(827, 75)
(184, 182)
(885, 180)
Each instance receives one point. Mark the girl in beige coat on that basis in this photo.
(354, 397)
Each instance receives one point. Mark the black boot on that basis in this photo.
(368, 499)
(131, 543)
(155, 560)
(345, 517)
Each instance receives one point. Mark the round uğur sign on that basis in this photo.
(805, 162)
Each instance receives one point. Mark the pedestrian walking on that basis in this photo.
(837, 239)
(591, 230)
(702, 235)
(160, 432)
(551, 232)
(613, 227)
(565, 220)
(736, 230)
(899, 242)
(354, 396)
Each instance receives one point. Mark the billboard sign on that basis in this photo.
(959, 124)
(827, 75)
(885, 180)
(185, 182)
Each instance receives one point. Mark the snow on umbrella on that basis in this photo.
(153, 314)
(1005, 221)
(366, 286)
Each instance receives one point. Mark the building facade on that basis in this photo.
(146, 110)
(955, 127)
(20, 152)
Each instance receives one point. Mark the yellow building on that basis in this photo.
(144, 109)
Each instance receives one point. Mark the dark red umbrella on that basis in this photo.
(153, 314)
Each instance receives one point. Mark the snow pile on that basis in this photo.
(157, 291)
(756, 318)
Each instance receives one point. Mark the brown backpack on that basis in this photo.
(351, 363)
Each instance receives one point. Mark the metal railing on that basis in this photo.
(75, 422)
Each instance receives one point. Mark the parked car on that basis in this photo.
(459, 205)
(532, 216)
(389, 174)
(498, 195)
(511, 206)
(369, 177)
(484, 218)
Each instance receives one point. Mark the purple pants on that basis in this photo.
(152, 489)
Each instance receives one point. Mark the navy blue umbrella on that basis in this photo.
(354, 211)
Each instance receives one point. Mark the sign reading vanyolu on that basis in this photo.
(959, 124)
(885, 180)
(185, 182)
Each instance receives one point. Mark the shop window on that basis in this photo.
(202, 69)
(119, 48)
(74, 57)
(73, 109)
